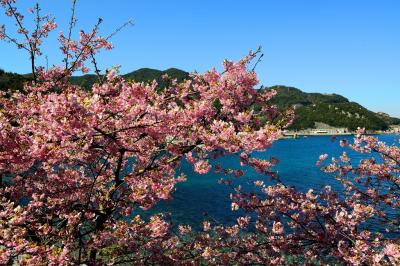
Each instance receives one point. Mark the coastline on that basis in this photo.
(292, 135)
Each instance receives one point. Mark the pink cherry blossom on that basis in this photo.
(202, 167)
(76, 165)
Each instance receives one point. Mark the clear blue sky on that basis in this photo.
(339, 46)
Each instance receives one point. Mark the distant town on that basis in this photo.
(322, 129)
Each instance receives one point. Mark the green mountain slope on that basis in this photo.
(332, 109)
(11, 81)
(388, 119)
(289, 96)
(140, 75)
(85, 81)
(148, 74)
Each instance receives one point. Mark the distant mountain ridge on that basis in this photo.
(332, 109)
(11, 81)
(140, 75)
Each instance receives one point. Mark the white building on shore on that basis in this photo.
(394, 128)
(320, 129)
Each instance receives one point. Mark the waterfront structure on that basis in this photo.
(394, 129)
(319, 129)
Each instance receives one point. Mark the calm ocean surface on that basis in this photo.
(202, 194)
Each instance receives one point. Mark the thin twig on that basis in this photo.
(23, 30)
(258, 61)
(71, 26)
(129, 22)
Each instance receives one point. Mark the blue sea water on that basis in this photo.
(202, 195)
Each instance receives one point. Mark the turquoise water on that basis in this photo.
(201, 194)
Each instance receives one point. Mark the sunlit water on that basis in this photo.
(201, 195)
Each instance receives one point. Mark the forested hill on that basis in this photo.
(331, 109)
(140, 75)
(13, 81)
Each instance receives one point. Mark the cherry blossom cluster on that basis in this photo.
(85, 161)
(280, 225)
(355, 225)
(77, 165)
